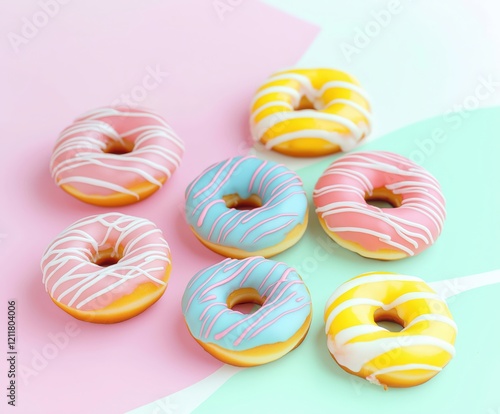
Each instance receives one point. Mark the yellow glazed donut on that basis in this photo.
(310, 112)
(390, 359)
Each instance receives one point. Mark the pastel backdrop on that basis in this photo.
(198, 63)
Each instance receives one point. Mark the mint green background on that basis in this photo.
(465, 161)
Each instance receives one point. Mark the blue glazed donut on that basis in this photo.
(277, 327)
(276, 222)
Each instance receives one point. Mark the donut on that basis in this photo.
(273, 330)
(216, 199)
(411, 226)
(107, 268)
(390, 359)
(310, 112)
(115, 156)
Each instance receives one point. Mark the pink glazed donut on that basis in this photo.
(107, 268)
(415, 222)
(115, 156)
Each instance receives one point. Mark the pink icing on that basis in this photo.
(214, 180)
(340, 192)
(270, 306)
(80, 161)
(264, 222)
(282, 313)
(72, 278)
(254, 176)
(279, 317)
(222, 182)
(205, 211)
(273, 230)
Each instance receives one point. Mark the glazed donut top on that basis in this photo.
(286, 306)
(341, 113)
(341, 191)
(72, 277)
(83, 155)
(357, 342)
(284, 203)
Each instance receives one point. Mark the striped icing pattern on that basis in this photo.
(339, 197)
(71, 276)
(80, 159)
(284, 203)
(341, 113)
(425, 344)
(285, 309)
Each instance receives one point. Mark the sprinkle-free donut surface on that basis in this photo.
(415, 222)
(278, 217)
(395, 359)
(310, 112)
(107, 268)
(277, 327)
(115, 156)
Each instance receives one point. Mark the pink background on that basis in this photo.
(84, 57)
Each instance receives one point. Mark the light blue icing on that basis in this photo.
(280, 189)
(284, 311)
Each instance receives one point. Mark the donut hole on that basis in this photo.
(388, 320)
(118, 147)
(106, 258)
(305, 103)
(245, 300)
(391, 326)
(383, 198)
(238, 203)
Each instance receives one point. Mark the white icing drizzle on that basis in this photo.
(426, 317)
(356, 354)
(272, 120)
(311, 93)
(422, 201)
(71, 277)
(372, 302)
(348, 334)
(344, 141)
(357, 107)
(79, 157)
(279, 89)
(98, 183)
(371, 278)
(269, 105)
(351, 351)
